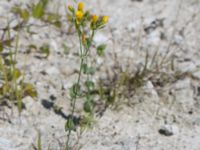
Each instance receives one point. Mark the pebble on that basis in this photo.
(168, 130)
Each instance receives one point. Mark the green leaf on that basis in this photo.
(100, 49)
(12, 74)
(84, 68)
(88, 107)
(89, 84)
(16, 73)
(5, 88)
(86, 121)
(70, 125)
(38, 10)
(88, 43)
(24, 14)
(74, 91)
(29, 90)
(88, 70)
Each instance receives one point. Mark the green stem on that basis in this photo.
(83, 56)
(75, 97)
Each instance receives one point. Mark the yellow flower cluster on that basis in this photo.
(80, 15)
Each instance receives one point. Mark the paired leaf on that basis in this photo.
(75, 91)
(88, 70)
(89, 84)
(88, 106)
(86, 121)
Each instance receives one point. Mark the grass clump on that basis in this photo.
(12, 84)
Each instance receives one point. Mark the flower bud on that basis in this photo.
(104, 19)
(79, 15)
(70, 8)
(94, 18)
(81, 6)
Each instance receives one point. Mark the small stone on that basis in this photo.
(190, 112)
(168, 130)
(52, 97)
(47, 104)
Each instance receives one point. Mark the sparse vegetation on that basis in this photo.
(72, 89)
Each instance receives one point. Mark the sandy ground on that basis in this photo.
(163, 117)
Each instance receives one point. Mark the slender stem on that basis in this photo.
(75, 97)
(83, 57)
(88, 75)
(17, 95)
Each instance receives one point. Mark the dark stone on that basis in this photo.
(52, 97)
(47, 104)
(165, 132)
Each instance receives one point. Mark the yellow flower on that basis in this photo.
(94, 18)
(81, 6)
(104, 19)
(79, 15)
